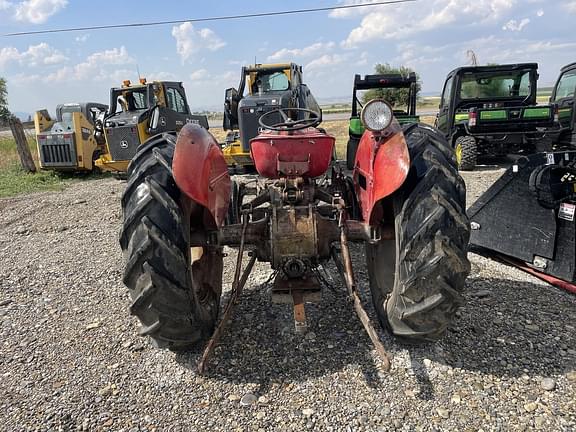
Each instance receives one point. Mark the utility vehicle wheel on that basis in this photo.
(351, 149)
(568, 140)
(177, 302)
(466, 152)
(416, 280)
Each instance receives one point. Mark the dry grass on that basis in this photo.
(14, 180)
(8, 153)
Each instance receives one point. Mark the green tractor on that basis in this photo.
(564, 96)
(492, 110)
(386, 81)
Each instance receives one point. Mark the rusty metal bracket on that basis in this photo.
(345, 270)
(237, 286)
(299, 312)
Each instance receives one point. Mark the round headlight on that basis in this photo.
(376, 115)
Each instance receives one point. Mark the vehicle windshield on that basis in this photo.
(496, 85)
(566, 86)
(270, 81)
(67, 111)
(130, 99)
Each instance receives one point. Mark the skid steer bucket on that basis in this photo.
(527, 217)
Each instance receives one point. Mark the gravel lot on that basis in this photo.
(70, 357)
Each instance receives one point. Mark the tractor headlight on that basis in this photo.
(376, 115)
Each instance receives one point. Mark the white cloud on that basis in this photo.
(35, 55)
(112, 56)
(326, 60)
(82, 38)
(203, 78)
(419, 56)
(164, 76)
(386, 22)
(309, 51)
(570, 6)
(5, 5)
(347, 13)
(38, 11)
(540, 12)
(363, 60)
(324, 64)
(23, 79)
(499, 50)
(63, 74)
(190, 41)
(514, 25)
(238, 62)
(92, 69)
(8, 55)
(200, 74)
(116, 76)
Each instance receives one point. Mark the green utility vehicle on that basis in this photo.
(386, 81)
(564, 96)
(492, 110)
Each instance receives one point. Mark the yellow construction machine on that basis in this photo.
(138, 111)
(72, 141)
(263, 88)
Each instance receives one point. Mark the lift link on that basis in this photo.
(347, 274)
(237, 287)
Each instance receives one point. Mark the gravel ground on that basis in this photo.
(70, 357)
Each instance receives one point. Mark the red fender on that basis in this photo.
(381, 166)
(200, 171)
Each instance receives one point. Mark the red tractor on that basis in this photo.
(404, 200)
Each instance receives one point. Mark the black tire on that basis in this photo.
(120, 175)
(417, 279)
(176, 303)
(95, 156)
(567, 140)
(351, 150)
(469, 152)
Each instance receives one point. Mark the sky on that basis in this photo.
(430, 36)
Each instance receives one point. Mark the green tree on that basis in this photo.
(397, 97)
(4, 111)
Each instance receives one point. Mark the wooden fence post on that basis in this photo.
(22, 145)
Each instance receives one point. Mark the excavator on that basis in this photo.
(263, 88)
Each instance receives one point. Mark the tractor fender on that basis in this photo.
(200, 171)
(382, 165)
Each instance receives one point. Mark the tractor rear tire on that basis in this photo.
(417, 279)
(351, 150)
(176, 302)
(466, 146)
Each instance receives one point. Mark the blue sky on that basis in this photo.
(431, 36)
